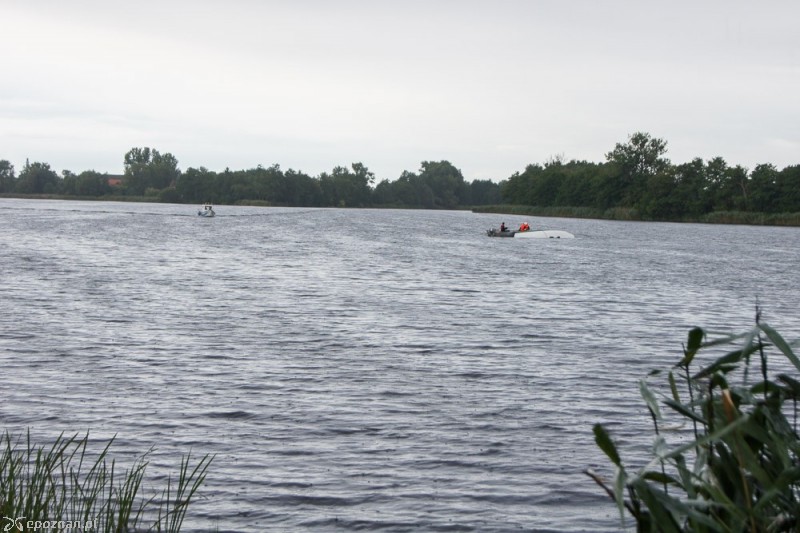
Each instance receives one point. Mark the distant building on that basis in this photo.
(114, 180)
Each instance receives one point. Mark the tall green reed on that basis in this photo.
(65, 483)
(736, 466)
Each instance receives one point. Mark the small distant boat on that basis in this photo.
(541, 234)
(207, 211)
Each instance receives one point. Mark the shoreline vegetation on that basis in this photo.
(635, 182)
(619, 214)
(721, 217)
(67, 485)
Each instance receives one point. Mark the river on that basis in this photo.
(391, 370)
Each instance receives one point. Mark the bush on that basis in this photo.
(738, 469)
(169, 195)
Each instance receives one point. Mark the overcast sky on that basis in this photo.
(490, 86)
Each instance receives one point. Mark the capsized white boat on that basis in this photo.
(207, 211)
(540, 234)
(544, 234)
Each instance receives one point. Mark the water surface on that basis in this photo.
(365, 369)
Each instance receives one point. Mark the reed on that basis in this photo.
(630, 214)
(618, 213)
(743, 217)
(736, 464)
(63, 485)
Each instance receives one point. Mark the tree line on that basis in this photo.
(636, 176)
(149, 173)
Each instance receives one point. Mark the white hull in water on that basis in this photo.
(544, 234)
(541, 234)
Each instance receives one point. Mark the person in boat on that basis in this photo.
(503, 226)
(524, 227)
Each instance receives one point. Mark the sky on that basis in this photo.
(489, 85)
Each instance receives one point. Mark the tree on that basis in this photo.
(637, 160)
(38, 178)
(88, 183)
(303, 190)
(7, 179)
(344, 187)
(446, 183)
(484, 192)
(575, 184)
(270, 184)
(642, 155)
(660, 200)
(363, 181)
(517, 189)
(383, 194)
(691, 188)
(409, 190)
(92, 183)
(197, 185)
(764, 191)
(789, 190)
(148, 169)
(727, 187)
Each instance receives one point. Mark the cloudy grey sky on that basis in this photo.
(490, 85)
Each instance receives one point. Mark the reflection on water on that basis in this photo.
(369, 369)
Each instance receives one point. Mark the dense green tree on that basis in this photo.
(737, 183)
(518, 188)
(727, 186)
(240, 185)
(270, 184)
(87, 183)
(789, 190)
(717, 182)
(146, 168)
(636, 160)
(413, 191)
(575, 187)
(383, 194)
(8, 180)
(38, 178)
(227, 185)
(347, 187)
(547, 183)
(409, 190)
(555, 183)
(484, 192)
(197, 185)
(659, 200)
(302, 189)
(691, 188)
(446, 182)
(69, 182)
(605, 186)
(764, 190)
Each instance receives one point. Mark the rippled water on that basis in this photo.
(364, 369)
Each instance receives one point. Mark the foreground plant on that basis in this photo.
(60, 489)
(737, 469)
